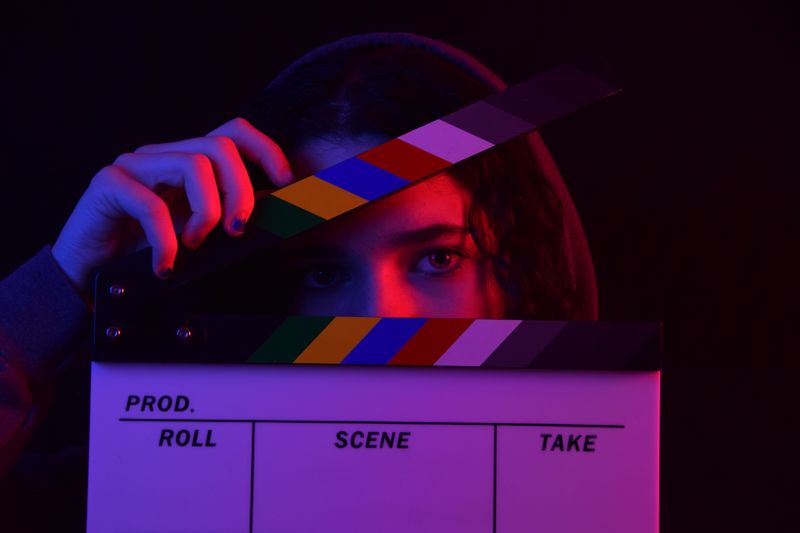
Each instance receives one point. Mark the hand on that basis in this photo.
(149, 196)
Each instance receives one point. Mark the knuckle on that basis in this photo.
(106, 176)
(239, 123)
(223, 145)
(155, 209)
(144, 148)
(198, 163)
(123, 158)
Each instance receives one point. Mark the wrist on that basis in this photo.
(78, 281)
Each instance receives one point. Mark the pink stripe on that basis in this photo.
(477, 343)
(446, 141)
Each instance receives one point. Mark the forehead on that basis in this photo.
(438, 200)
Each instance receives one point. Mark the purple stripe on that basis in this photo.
(525, 343)
(446, 141)
(488, 122)
(477, 342)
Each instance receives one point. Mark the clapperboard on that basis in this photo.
(205, 418)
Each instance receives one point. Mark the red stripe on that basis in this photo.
(431, 341)
(404, 160)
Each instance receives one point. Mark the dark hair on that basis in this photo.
(386, 91)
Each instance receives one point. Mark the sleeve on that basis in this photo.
(44, 325)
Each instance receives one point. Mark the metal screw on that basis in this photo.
(113, 332)
(184, 333)
(116, 290)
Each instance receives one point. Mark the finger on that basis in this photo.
(191, 172)
(258, 148)
(229, 171)
(119, 194)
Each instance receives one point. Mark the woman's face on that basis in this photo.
(409, 254)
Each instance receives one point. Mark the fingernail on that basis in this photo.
(165, 273)
(238, 224)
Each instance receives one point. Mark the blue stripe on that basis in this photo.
(361, 178)
(383, 341)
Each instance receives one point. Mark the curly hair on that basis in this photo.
(385, 91)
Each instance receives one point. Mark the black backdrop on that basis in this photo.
(685, 183)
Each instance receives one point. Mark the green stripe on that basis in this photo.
(290, 339)
(284, 219)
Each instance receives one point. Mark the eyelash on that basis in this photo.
(344, 276)
(306, 274)
(457, 258)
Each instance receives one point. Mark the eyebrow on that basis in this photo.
(406, 238)
(426, 234)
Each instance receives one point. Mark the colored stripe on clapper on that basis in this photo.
(464, 342)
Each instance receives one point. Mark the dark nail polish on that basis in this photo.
(165, 273)
(238, 224)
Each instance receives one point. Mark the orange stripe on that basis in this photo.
(337, 340)
(319, 197)
(431, 341)
(404, 160)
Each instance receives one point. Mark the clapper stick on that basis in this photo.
(428, 150)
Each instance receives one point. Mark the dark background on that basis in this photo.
(686, 182)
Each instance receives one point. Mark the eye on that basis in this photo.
(438, 261)
(323, 276)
